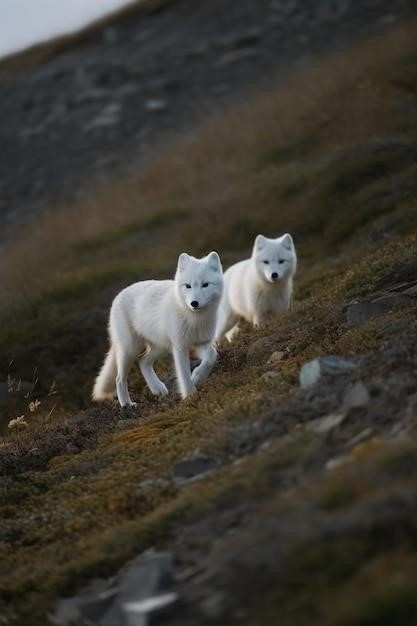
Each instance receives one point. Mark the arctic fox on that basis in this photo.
(258, 287)
(153, 317)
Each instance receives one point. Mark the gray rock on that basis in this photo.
(356, 397)
(234, 56)
(261, 347)
(359, 312)
(141, 591)
(276, 357)
(364, 434)
(90, 604)
(155, 105)
(336, 462)
(109, 116)
(193, 468)
(313, 370)
(327, 423)
(149, 483)
(271, 374)
(148, 575)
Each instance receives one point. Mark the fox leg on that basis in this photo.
(226, 321)
(208, 355)
(146, 362)
(183, 371)
(232, 332)
(124, 361)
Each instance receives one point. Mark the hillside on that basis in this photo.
(279, 504)
(89, 106)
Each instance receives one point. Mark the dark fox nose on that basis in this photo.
(274, 275)
(194, 304)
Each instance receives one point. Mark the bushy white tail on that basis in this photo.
(105, 385)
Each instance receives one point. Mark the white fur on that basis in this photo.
(258, 287)
(154, 317)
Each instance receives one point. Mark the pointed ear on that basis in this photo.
(183, 261)
(260, 242)
(287, 241)
(214, 262)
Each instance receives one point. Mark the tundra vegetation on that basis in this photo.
(324, 515)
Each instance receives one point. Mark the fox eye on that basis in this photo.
(188, 286)
(204, 285)
(281, 261)
(266, 262)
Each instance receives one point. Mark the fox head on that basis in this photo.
(199, 282)
(274, 259)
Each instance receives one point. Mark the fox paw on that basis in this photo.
(160, 389)
(129, 405)
(197, 376)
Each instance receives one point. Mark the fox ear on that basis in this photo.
(287, 241)
(214, 262)
(260, 242)
(183, 261)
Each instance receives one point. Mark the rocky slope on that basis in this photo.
(92, 111)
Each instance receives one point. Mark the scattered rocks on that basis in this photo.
(139, 592)
(313, 370)
(191, 469)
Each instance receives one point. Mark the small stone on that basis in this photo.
(313, 370)
(109, 116)
(155, 106)
(241, 54)
(356, 397)
(271, 374)
(276, 357)
(190, 469)
(364, 434)
(154, 482)
(213, 605)
(325, 424)
(147, 587)
(336, 462)
(260, 347)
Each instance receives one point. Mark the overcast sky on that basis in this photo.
(25, 22)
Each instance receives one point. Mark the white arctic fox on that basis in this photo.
(258, 287)
(153, 317)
